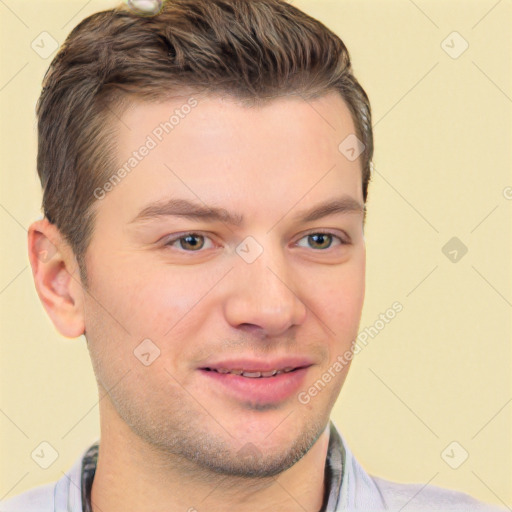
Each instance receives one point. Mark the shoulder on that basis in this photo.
(363, 491)
(421, 497)
(63, 495)
(38, 499)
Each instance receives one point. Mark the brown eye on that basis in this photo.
(188, 242)
(191, 241)
(321, 241)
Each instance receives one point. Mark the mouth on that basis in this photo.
(251, 374)
(257, 382)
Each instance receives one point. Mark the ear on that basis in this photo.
(57, 278)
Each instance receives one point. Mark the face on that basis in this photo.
(213, 266)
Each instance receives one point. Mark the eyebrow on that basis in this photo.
(194, 211)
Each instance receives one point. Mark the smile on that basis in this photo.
(252, 374)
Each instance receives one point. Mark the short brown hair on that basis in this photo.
(252, 50)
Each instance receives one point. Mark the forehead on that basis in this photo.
(217, 124)
(212, 148)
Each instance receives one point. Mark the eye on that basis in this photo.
(322, 240)
(194, 242)
(189, 242)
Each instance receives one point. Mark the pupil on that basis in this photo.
(189, 240)
(321, 236)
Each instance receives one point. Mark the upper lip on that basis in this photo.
(255, 365)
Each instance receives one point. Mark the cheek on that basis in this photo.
(149, 302)
(339, 309)
(342, 297)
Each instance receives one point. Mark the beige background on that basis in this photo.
(440, 371)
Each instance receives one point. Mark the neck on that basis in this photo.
(133, 476)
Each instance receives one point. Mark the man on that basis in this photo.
(205, 169)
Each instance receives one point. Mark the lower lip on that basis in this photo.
(262, 389)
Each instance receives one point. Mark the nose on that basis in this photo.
(264, 297)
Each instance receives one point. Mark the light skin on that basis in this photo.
(173, 439)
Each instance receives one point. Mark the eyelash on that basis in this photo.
(172, 241)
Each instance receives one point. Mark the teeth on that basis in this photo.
(252, 375)
(255, 375)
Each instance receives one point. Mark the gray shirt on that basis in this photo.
(348, 488)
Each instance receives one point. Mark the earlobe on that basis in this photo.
(56, 278)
